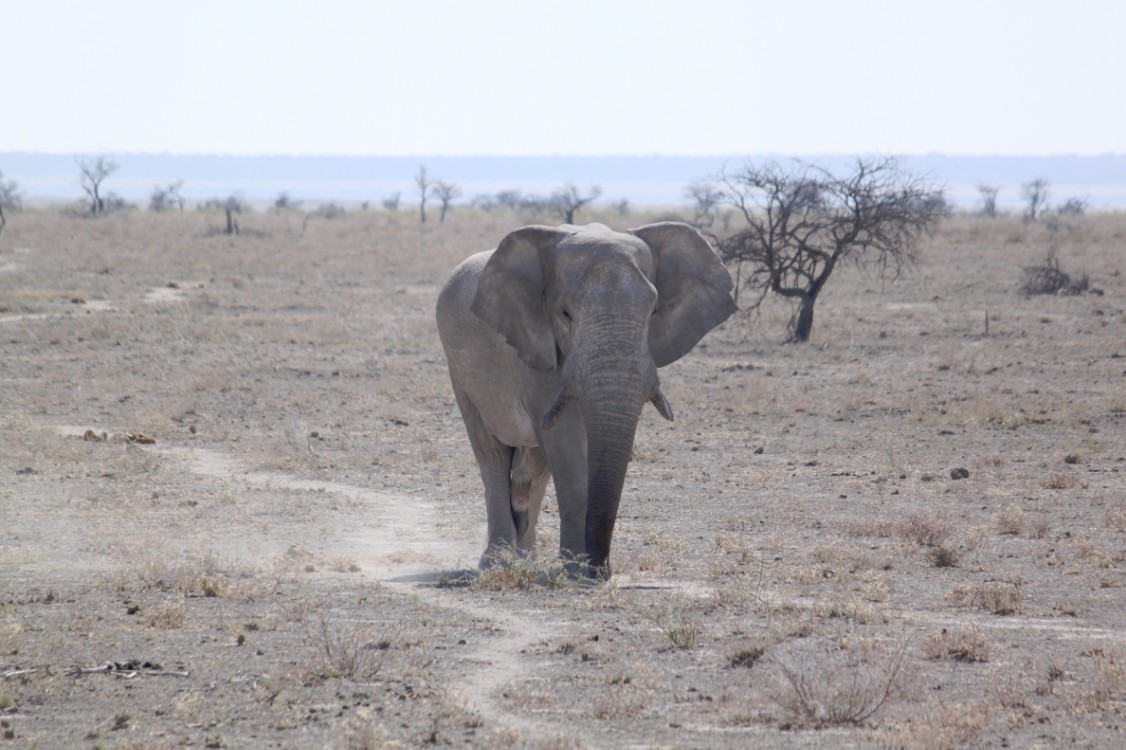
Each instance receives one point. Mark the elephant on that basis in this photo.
(553, 341)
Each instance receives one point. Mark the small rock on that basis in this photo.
(959, 473)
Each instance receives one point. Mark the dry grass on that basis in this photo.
(947, 726)
(678, 619)
(803, 499)
(514, 571)
(1103, 688)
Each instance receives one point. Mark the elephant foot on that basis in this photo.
(583, 571)
(598, 573)
(500, 555)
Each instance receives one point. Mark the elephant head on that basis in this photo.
(602, 310)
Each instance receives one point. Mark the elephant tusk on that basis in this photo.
(658, 400)
(556, 409)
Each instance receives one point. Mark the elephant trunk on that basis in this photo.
(611, 411)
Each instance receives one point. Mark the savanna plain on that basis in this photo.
(238, 507)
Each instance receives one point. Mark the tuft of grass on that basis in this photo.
(678, 621)
(361, 731)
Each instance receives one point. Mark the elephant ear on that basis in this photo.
(510, 295)
(693, 289)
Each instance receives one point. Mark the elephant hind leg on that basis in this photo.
(530, 474)
(494, 459)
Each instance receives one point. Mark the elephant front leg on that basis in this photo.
(565, 448)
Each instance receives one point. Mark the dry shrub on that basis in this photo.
(998, 597)
(1048, 278)
(943, 556)
(628, 692)
(926, 529)
(168, 615)
(877, 527)
(990, 460)
(843, 685)
(876, 591)
(746, 656)
(1088, 550)
(1115, 519)
(963, 643)
(1010, 519)
(1060, 480)
(849, 607)
(349, 651)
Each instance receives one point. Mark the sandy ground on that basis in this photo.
(910, 532)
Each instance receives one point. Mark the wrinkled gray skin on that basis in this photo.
(553, 342)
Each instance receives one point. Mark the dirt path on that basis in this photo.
(402, 542)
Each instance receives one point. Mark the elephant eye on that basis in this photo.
(566, 313)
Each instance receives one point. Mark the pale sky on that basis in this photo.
(496, 77)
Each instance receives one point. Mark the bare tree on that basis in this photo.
(988, 199)
(165, 198)
(447, 193)
(1073, 206)
(10, 198)
(424, 187)
(233, 205)
(1035, 194)
(285, 203)
(706, 196)
(567, 200)
(92, 173)
(802, 222)
(510, 199)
